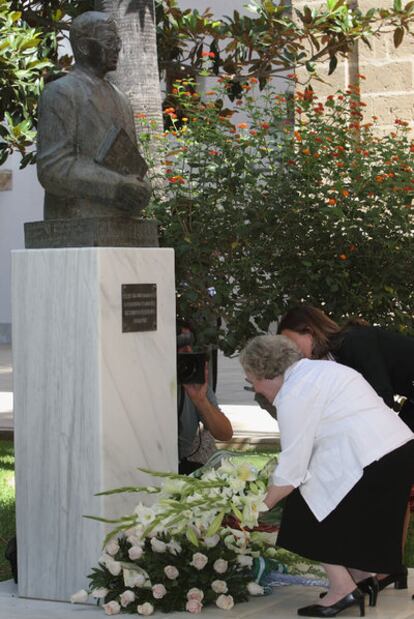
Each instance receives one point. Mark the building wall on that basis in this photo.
(24, 202)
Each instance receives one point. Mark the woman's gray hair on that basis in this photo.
(267, 356)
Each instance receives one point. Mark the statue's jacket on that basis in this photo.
(75, 114)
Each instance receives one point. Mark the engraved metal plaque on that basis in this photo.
(139, 307)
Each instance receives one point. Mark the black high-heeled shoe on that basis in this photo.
(355, 598)
(398, 578)
(369, 586)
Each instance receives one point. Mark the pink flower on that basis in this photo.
(219, 586)
(171, 572)
(194, 606)
(135, 553)
(126, 598)
(225, 602)
(195, 594)
(220, 566)
(112, 608)
(158, 591)
(199, 561)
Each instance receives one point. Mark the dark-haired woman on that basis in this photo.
(384, 358)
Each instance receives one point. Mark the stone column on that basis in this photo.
(94, 400)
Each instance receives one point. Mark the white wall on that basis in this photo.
(23, 203)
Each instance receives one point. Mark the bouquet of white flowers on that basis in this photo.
(196, 545)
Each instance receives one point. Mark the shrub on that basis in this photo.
(265, 212)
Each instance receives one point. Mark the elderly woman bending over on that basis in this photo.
(346, 468)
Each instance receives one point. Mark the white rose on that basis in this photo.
(157, 545)
(114, 567)
(212, 541)
(219, 586)
(145, 609)
(194, 606)
(220, 566)
(199, 560)
(105, 558)
(112, 547)
(80, 597)
(112, 608)
(99, 593)
(126, 598)
(245, 560)
(158, 591)
(195, 594)
(254, 589)
(171, 572)
(135, 553)
(133, 579)
(225, 602)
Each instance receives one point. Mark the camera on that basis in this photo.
(190, 365)
(191, 368)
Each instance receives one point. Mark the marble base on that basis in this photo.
(91, 403)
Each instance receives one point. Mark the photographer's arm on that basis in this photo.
(213, 418)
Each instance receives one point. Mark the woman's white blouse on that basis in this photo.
(332, 425)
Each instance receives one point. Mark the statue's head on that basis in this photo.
(95, 41)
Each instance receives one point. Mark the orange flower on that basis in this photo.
(379, 178)
(412, 148)
(169, 110)
(298, 136)
(177, 179)
(331, 201)
(242, 126)
(213, 152)
(352, 247)
(210, 93)
(208, 54)
(265, 126)
(306, 151)
(141, 116)
(345, 193)
(253, 80)
(343, 257)
(340, 164)
(253, 132)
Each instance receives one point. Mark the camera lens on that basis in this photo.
(186, 368)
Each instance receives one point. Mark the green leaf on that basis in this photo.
(332, 65)
(398, 36)
(215, 525)
(192, 537)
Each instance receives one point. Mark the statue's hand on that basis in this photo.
(132, 194)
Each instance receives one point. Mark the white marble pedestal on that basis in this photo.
(92, 403)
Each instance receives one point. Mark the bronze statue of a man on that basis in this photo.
(77, 112)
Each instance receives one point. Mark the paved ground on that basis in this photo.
(282, 604)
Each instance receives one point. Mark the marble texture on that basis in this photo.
(91, 403)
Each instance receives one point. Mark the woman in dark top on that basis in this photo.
(384, 358)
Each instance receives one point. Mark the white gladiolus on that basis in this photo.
(174, 547)
(225, 602)
(135, 553)
(219, 586)
(254, 589)
(112, 608)
(144, 514)
(114, 567)
(126, 598)
(100, 593)
(112, 548)
(157, 545)
(145, 609)
(132, 578)
(245, 560)
(80, 597)
(220, 566)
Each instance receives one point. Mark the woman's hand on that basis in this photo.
(276, 494)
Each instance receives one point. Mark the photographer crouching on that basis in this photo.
(197, 404)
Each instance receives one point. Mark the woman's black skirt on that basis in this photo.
(364, 531)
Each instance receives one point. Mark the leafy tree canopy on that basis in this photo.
(267, 41)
